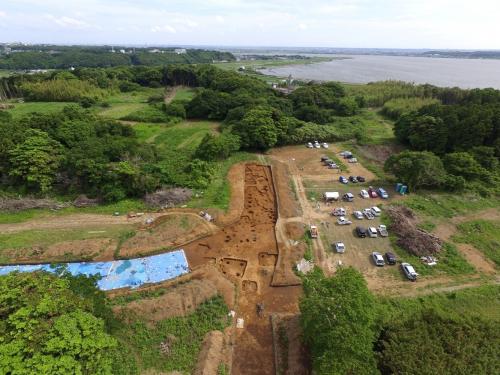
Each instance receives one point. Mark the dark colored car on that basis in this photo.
(361, 232)
(390, 257)
(323, 158)
(360, 179)
(353, 179)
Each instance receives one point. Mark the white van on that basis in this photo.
(376, 211)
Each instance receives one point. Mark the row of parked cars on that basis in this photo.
(316, 144)
(353, 179)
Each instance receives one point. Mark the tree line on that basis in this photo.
(100, 57)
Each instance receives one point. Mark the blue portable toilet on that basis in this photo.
(398, 186)
(403, 190)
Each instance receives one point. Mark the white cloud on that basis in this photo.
(164, 28)
(3, 14)
(302, 26)
(219, 19)
(68, 22)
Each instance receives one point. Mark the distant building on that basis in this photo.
(180, 51)
(122, 51)
(155, 50)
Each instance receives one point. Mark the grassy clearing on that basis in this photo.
(46, 237)
(436, 205)
(484, 235)
(125, 103)
(483, 302)
(218, 194)
(121, 207)
(379, 130)
(184, 336)
(22, 109)
(184, 94)
(5, 73)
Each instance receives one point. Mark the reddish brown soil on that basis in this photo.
(245, 252)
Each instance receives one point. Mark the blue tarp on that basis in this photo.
(120, 273)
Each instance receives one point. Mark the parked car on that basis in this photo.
(317, 145)
(361, 178)
(309, 145)
(353, 179)
(344, 153)
(361, 232)
(409, 271)
(382, 230)
(348, 156)
(352, 160)
(327, 161)
(348, 197)
(372, 232)
(343, 221)
(339, 211)
(343, 180)
(372, 192)
(382, 193)
(333, 165)
(390, 257)
(358, 215)
(376, 211)
(368, 214)
(323, 158)
(378, 259)
(364, 194)
(325, 145)
(339, 247)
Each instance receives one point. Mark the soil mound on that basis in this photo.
(413, 239)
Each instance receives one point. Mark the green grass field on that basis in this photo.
(22, 109)
(184, 93)
(124, 103)
(484, 235)
(47, 237)
(5, 73)
(482, 301)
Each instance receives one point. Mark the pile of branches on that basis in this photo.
(411, 238)
(20, 204)
(165, 198)
(84, 201)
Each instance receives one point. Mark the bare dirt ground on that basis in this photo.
(244, 251)
(172, 230)
(447, 229)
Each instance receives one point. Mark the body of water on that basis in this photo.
(444, 72)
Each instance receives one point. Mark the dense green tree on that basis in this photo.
(216, 147)
(36, 160)
(337, 317)
(417, 169)
(48, 329)
(430, 343)
(259, 129)
(463, 164)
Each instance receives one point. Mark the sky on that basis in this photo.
(453, 24)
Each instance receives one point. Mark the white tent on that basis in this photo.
(331, 196)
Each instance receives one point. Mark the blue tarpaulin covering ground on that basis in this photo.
(121, 273)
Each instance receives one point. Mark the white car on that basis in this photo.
(358, 215)
(378, 259)
(368, 214)
(339, 247)
(310, 145)
(409, 271)
(364, 194)
(382, 230)
(376, 211)
(343, 221)
(352, 160)
(372, 232)
(325, 145)
(317, 145)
